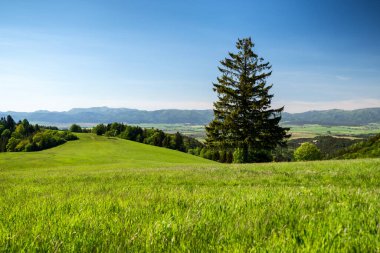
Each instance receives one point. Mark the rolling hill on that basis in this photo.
(369, 148)
(95, 115)
(99, 151)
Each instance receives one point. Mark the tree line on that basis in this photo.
(23, 136)
(150, 136)
(159, 138)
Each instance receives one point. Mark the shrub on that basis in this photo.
(99, 129)
(223, 156)
(259, 156)
(68, 136)
(307, 152)
(12, 143)
(75, 128)
(205, 153)
(215, 156)
(238, 155)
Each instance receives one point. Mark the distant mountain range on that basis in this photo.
(334, 117)
(95, 115)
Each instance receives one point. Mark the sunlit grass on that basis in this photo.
(102, 194)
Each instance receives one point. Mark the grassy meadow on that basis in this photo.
(107, 194)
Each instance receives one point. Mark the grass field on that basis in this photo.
(101, 194)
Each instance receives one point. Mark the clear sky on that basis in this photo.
(57, 55)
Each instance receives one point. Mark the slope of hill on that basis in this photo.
(365, 149)
(97, 115)
(102, 152)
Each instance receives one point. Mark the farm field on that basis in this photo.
(196, 131)
(310, 131)
(298, 131)
(108, 194)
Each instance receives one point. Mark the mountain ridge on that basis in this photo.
(96, 115)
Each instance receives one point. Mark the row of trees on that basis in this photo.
(23, 136)
(151, 136)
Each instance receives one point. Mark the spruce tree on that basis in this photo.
(243, 117)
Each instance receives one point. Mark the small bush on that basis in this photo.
(99, 129)
(307, 152)
(75, 128)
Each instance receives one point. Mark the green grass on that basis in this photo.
(92, 150)
(100, 194)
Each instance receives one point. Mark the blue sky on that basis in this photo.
(57, 55)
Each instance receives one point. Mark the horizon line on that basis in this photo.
(178, 109)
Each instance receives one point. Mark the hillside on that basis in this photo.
(102, 152)
(97, 115)
(366, 149)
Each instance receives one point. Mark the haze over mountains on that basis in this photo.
(97, 115)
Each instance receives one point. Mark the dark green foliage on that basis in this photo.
(167, 142)
(12, 144)
(253, 155)
(215, 155)
(283, 154)
(135, 133)
(206, 153)
(238, 155)
(229, 157)
(99, 129)
(116, 128)
(155, 138)
(330, 147)
(307, 152)
(9, 123)
(223, 156)
(260, 155)
(26, 137)
(75, 128)
(40, 141)
(7, 126)
(243, 116)
(365, 149)
(4, 137)
(178, 142)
